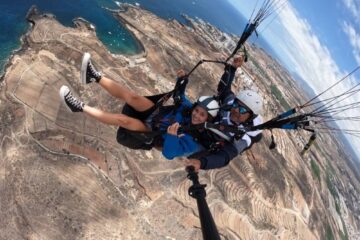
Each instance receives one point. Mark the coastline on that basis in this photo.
(32, 12)
(23, 45)
(35, 12)
(125, 24)
(8, 59)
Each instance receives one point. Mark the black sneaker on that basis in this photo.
(74, 104)
(88, 73)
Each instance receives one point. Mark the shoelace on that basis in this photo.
(95, 73)
(73, 101)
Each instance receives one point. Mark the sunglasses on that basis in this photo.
(241, 108)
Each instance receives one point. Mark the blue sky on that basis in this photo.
(320, 41)
(333, 23)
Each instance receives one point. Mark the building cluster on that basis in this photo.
(218, 39)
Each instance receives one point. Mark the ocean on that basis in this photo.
(117, 39)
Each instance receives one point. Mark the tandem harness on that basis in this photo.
(151, 117)
(136, 139)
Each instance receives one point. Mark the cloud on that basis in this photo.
(311, 59)
(304, 53)
(354, 39)
(354, 8)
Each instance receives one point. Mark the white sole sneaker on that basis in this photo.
(64, 90)
(73, 104)
(84, 64)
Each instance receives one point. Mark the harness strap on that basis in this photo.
(220, 134)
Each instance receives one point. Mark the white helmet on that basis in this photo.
(252, 100)
(210, 104)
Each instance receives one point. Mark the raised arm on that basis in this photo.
(180, 86)
(224, 86)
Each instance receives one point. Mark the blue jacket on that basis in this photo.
(183, 145)
(175, 146)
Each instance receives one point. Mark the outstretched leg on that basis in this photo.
(139, 103)
(89, 74)
(75, 105)
(120, 120)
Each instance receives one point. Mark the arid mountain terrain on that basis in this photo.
(64, 176)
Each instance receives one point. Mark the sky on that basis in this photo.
(320, 42)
